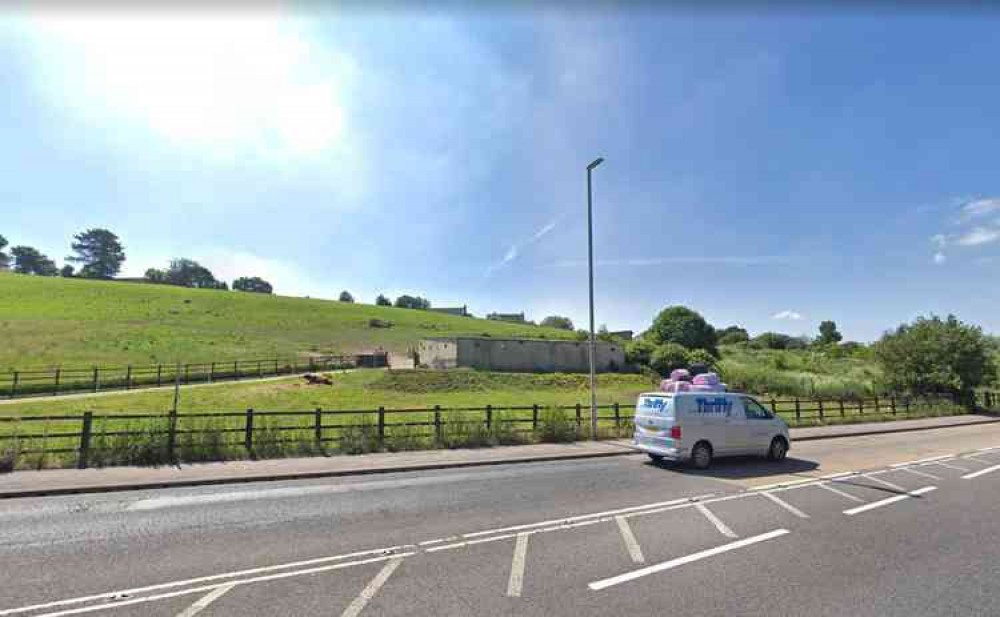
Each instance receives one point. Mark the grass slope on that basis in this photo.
(804, 373)
(75, 322)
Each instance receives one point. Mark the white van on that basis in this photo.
(698, 426)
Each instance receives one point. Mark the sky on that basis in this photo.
(767, 168)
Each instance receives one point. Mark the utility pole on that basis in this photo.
(593, 336)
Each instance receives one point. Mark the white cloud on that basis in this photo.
(940, 258)
(515, 249)
(939, 240)
(979, 235)
(223, 84)
(288, 280)
(789, 315)
(980, 207)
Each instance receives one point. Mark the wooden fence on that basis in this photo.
(58, 380)
(376, 429)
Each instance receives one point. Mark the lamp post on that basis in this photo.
(590, 262)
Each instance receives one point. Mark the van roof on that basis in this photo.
(689, 393)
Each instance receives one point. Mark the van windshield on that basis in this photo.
(651, 405)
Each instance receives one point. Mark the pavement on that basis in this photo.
(71, 481)
(894, 524)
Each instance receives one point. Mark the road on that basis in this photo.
(835, 530)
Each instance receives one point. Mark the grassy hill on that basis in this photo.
(76, 322)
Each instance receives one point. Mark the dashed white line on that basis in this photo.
(888, 500)
(784, 504)
(837, 491)
(715, 520)
(207, 599)
(842, 474)
(917, 472)
(673, 563)
(630, 542)
(894, 487)
(931, 459)
(359, 603)
(989, 449)
(516, 581)
(981, 472)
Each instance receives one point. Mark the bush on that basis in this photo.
(557, 426)
(700, 356)
(667, 357)
(639, 352)
(935, 355)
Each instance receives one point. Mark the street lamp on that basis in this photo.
(590, 261)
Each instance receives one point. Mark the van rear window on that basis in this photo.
(655, 405)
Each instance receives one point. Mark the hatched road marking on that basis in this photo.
(888, 500)
(207, 599)
(837, 491)
(981, 472)
(917, 472)
(516, 582)
(630, 542)
(359, 603)
(784, 504)
(715, 520)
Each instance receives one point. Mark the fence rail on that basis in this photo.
(54, 381)
(174, 437)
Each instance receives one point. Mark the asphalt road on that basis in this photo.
(570, 538)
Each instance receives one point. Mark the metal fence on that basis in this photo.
(58, 380)
(377, 429)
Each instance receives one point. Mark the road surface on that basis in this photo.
(901, 524)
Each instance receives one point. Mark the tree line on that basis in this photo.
(98, 251)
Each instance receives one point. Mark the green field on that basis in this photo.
(75, 322)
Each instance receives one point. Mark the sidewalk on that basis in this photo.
(72, 481)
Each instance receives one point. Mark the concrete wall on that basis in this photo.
(528, 356)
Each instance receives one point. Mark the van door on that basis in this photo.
(760, 423)
(738, 436)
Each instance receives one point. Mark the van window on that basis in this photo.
(756, 411)
(656, 406)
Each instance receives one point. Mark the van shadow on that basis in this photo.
(742, 467)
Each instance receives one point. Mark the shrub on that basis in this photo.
(667, 357)
(556, 426)
(639, 352)
(700, 356)
(359, 437)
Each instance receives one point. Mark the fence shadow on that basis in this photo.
(742, 467)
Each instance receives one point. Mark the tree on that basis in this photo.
(681, 325)
(733, 335)
(252, 284)
(4, 258)
(27, 260)
(66, 271)
(155, 275)
(412, 302)
(189, 273)
(556, 321)
(345, 296)
(381, 300)
(936, 355)
(99, 251)
(667, 357)
(700, 356)
(828, 333)
(639, 351)
(772, 340)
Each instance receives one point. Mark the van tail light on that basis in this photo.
(675, 432)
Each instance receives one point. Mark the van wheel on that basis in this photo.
(701, 455)
(778, 449)
(656, 458)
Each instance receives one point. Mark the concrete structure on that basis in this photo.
(511, 317)
(461, 311)
(626, 335)
(519, 355)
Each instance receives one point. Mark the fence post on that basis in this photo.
(259, 369)
(13, 385)
(774, 405)
(489, 417)
(892, 404)
(311, 369)
(172, 436)
(275, 367)
(906, 404)
(381, 427)
(128, 378)
(534, 417)
(318, 427)
(211, 373)
(55, 387)
(618, 421)
(97, 383)
(88, 419)
(820, 410)
(248, 431)
(437, 425)
(798, 410)
(159, 375)
(579, 419)
(236, 370)
(876, 404)
(861, 406)
(187, 373)
(842, 408)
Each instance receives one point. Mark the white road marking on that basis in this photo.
(355, 608)
(111, 595)
(949, 466)
(581, 517)
(205, 588)
(842, 474)
(516, 582)
(437, 541)
(205, 600)
(785, 505)
(507, 536)
(975, 457)
(630, 542)
(932, 459)
(989, 449)
(981, 472)
(766, 487)
(894, 487)
(917, 472)
(888, 500)
(680, 561)
(715, 520)
(837, 491)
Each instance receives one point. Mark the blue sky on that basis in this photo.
(769, 171)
